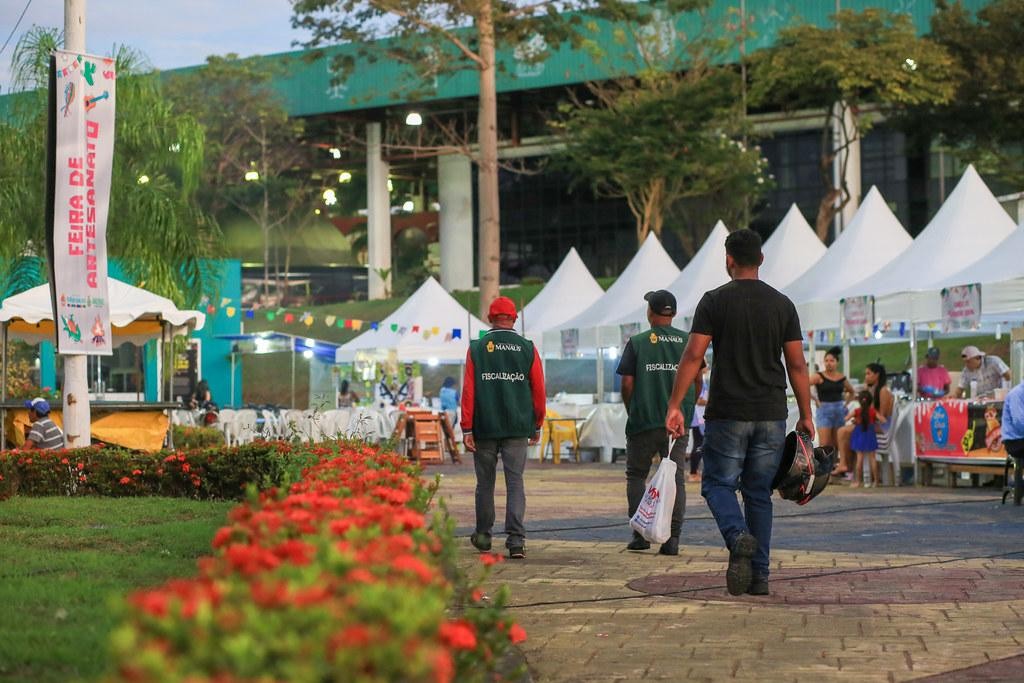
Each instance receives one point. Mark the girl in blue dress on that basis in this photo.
(864, 439)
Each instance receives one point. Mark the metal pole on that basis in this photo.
(600, 374)
(913, 397)
(293, 373)
(77, 430)
(232, 376)
(3, 387)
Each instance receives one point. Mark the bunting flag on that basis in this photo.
(289, 318)
(448, 337)
(415, 329)
(457, 333)
(374, 326)
(231, 310)
(250, 314)
(348, 324)
(329, 320)
(426, 334)
(270, 316)
(224, 302)
(340, 324)
(435, 330)
(308, 321)
(357, 324)
(394, 327)
(211, 309)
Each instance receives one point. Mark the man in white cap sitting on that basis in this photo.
(988, 371)
(44, 434)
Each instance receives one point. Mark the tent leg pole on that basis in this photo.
(232, 378)
(3, 387)
(293, 374)
(913, 394)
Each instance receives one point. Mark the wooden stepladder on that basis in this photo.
(426, 436)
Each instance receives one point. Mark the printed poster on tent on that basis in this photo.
(858, 316)
(961, 308)
(82, 95)
(570, 343)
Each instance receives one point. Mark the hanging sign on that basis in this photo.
(626, 331)
(81, 116)
(961, 308)
(570, 343)
(858, 315)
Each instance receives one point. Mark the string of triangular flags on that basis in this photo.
(288, 317)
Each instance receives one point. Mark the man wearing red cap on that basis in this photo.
(503, 408)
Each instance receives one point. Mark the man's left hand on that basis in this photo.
(535, 439)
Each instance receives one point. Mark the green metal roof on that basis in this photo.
(308, 90)
(307, 87)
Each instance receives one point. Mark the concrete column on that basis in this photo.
(378, 213)
(455, 190)
(851, 157)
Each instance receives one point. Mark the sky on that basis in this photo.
(171, 33)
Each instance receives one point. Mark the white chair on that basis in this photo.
(244, 426)
(271, 425)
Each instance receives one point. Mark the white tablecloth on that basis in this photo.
(605, 427)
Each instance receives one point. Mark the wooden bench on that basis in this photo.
(957, 465)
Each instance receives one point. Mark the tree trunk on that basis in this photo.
(487, 178)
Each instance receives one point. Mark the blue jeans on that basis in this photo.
(743, 456)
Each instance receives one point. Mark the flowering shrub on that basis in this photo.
(219, 473)
(336, 578)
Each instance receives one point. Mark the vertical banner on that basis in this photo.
(961, 308)
(626, 331)
(81, 160)
(570, 343)
(858, 316)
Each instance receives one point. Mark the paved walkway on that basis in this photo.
(868, 585)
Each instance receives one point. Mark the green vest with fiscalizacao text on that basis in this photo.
(658, 351)
(502, 402)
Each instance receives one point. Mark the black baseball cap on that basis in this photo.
(661, 301)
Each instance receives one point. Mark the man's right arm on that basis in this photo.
(686, 373)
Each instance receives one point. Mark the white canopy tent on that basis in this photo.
(873, 238)
(1001, 273)
(421, 329)
(790, 251)
(969, 225)
(651, 268)
(705, 271)
(570, 290)
(136, 315)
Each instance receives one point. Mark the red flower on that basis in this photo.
(489, 559)
(80, 466)
(125, 481)
(444, 668)
(185, 467)
(516, 634)
(458, 634)
(63, 461)
(136, 472)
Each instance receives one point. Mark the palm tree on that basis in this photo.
(155, 229)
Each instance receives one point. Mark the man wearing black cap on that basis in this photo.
(647, 368)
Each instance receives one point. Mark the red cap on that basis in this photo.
(502, 306)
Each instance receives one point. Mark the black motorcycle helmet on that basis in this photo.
(805, 470)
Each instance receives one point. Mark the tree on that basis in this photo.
(984, 120)
(435, 37)
(155, 228)
(867, 59)
(671, 133)
(257, 161)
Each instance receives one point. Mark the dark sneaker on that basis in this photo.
(481, 542)
(670, 547)
(739, 575)
(516, 552)
(758, 586)
(638, 543)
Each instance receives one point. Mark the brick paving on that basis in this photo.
(875, 585)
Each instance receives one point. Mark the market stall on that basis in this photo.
(964, 436)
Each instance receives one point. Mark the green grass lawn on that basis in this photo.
(64, 562)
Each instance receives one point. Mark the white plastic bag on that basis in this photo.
(653, 518)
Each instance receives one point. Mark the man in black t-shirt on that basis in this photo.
(752, 327)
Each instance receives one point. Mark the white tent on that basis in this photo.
(968, 226)
(651, 268)
(136, 315)
(790, 251)
(423, 328)
(705, 271)
(1001, 273)
(571, 290)
(872, 239)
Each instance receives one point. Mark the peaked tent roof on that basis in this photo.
(873, 239)
(651, 268)
(1001, 272)
(429, 307)
(136, 315)
(705, 271)
(791, 250)
(571, 289)
(967, 226)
